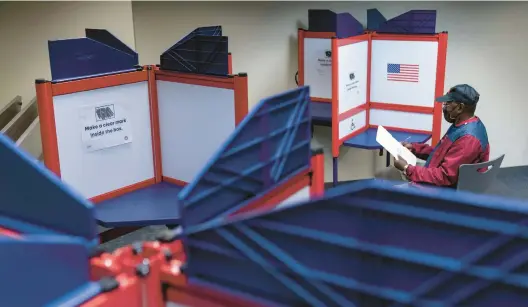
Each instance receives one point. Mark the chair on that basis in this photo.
(470, 179)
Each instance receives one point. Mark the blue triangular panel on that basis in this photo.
(412, 22)
(372, 244)
(107, 38)
(35, 201)
(343, 24)
(98, 53)
(347, 25)
(44, 271)
(203, 51)
(271, 145)
(374, 19)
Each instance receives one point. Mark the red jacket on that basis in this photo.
(465, 143)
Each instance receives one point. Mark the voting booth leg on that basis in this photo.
(388, 158)
(335, 175)
(317, 174)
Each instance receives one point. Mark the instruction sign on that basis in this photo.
(324, 63)
(352, 83)
(103, 126)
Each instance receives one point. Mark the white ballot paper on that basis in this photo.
(395, 148)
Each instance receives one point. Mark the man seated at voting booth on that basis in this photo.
(466, 142)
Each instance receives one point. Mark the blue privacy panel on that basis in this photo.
(374, 19)
(270, 146)
(44, 271)
(372, 244)
(412, 22)
(203, 51)
(343, 24)
(35, 201)
(98, 53)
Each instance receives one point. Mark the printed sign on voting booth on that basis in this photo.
(104, 126)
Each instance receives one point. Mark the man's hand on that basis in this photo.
(407, 145)
(399, 163)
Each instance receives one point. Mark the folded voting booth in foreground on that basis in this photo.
(35, 202)
(360, 80)
(127, 137)
(364, 244)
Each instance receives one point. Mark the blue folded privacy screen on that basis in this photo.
(99, 53)
(203, 51)
(372, 244)
(54, 269)
(412, 22)
(35, 201)
(343, 24)
(374, 19)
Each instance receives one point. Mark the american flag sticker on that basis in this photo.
(403, 72)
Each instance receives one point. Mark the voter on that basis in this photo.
(466, 142)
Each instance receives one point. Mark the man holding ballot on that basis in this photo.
(466, 142)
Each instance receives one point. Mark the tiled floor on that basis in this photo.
(511, 182)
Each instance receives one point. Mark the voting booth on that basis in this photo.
(111, 127)
(129, 140)
(388, 76)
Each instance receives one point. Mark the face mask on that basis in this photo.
(448, 116)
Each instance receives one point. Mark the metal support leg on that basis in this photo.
(388, 158)
(335, 175)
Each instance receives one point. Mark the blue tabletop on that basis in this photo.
(154, 205)
(367, 139)
(321, 112)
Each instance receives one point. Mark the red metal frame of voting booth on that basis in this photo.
(48, 91)
(337, 116)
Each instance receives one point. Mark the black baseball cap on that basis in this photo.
(462, 93)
